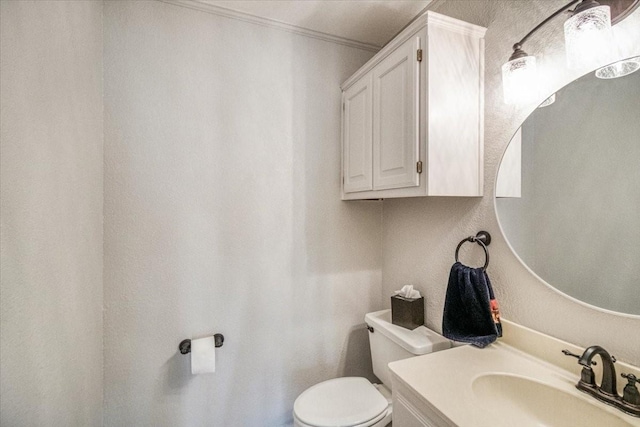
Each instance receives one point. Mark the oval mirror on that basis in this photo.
(568, 192)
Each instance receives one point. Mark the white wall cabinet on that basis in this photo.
(413, 115)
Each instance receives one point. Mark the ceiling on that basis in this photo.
(377, 21)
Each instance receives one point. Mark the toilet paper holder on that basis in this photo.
(185, 345)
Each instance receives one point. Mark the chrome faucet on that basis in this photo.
(607, 392)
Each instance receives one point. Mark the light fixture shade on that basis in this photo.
(588, 37)
(619, 69)
(519, 80)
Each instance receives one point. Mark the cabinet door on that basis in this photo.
(405, 415)
(356, 138)
(395, 118)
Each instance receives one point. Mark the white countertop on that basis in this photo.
(445, 380)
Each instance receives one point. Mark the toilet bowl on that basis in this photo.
(349, 401)
(355, 401)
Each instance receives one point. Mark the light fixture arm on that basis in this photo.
(517, 48)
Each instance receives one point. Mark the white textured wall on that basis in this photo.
(420, 235)
(51, 174)
(223, 214)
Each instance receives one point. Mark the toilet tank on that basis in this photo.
(390, 342)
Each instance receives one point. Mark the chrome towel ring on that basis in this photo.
(483, 238)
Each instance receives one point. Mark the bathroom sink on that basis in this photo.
(519, 400)
(522, 380)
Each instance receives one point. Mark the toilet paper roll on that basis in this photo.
(203, 355)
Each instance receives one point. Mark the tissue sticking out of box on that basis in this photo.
(408, 292)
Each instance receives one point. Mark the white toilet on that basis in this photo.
(354, 401)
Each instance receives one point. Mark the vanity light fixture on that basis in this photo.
(587, 36)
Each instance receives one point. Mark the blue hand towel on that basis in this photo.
(468, 307)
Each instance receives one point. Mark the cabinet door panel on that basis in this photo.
(357, 141)
(395, 115)
(405, 415)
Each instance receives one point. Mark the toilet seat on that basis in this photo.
(345, 402)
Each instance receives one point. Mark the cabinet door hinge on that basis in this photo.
(419, 167)
(419, 55)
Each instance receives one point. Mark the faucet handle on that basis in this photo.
(631, 378)
(631, 394)
(568, 353)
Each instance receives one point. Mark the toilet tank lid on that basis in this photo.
(421, 340)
